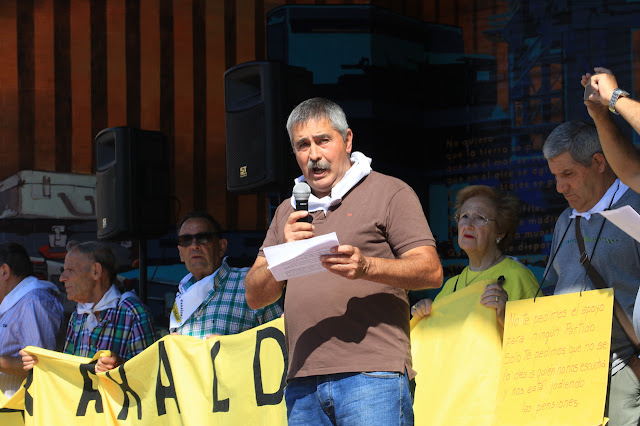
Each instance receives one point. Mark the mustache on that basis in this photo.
(318, 164)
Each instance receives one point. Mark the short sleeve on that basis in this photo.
(406, 224)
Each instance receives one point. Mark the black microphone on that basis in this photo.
(301, 193)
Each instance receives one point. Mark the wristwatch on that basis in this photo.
(614, 98)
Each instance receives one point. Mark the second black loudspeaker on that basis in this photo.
(259, 96)
(132, 184)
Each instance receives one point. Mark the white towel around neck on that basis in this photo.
(25, 286)
(186, 303)
(360, 168)
(108, 301)
(613, 194)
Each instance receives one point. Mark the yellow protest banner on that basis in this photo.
(456, 352)
(555, 363)
(237, 379)
(9, 416)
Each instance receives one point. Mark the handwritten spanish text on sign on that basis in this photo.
(555, 360)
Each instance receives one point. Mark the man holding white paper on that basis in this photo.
(589, 252)
(347, 330)
(210, 299)
(607, 99)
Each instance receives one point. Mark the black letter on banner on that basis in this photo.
(126, 388)
(88, 392)
(261, 397)
(164, 392)
(218, 406)
(28, 399)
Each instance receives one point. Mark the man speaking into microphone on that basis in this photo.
(347, 330)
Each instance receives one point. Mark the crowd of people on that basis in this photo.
(210, 301)
(347, 332)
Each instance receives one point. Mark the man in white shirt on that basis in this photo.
(30, 314)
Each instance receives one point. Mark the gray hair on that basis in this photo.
(506, 205)
(577, 137)
(98, 252)
(316, 109)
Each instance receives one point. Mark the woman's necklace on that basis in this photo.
(466, 273)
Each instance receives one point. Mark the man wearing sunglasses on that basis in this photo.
(211, 298)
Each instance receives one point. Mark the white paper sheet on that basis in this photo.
(299, 258)
(625, 218)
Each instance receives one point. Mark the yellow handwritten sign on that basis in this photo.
(555, 363)
(237, 379)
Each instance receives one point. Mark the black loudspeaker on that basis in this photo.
(132, 188)
(259, 96)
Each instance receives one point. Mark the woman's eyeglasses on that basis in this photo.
(477, 219)
(186, 240)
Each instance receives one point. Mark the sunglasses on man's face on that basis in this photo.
(186, 240)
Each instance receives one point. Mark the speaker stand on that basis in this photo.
(142, 290)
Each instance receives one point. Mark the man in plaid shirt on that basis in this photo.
(210, 299)
(104, 319)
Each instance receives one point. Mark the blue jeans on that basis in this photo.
(350, 399)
